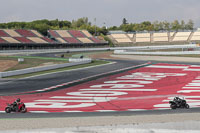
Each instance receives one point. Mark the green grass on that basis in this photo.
(37, 57)
(32, 61)
(94, 63)
(85, 54)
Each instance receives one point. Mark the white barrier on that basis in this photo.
(79, 59)
(39, 69)
(124, 52)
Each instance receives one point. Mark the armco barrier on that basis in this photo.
(39, 69)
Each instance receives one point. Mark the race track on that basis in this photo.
(145, 89)
(49, 80)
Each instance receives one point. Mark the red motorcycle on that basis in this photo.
(16, 108)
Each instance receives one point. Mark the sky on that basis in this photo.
(107, 12)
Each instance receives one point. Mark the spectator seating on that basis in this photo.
(37, 40)
(22, 36)
(196, 36)
(143, 37)
(155, 37)
(181, 36)
(2, 41)
(171, 34)
(121, 38)
(3, 34)
(76, 33)
(23, 39)
(36, 33)
(10, 40)
(87, 33)
(12, 33)
(131, 35)
(160, 37)
(73, 37)
(71, 40)
(25, 33)
(95, 40)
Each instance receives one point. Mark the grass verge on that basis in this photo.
(94, 63)
(32, 61)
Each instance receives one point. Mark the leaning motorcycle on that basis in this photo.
(11, 108)
(181, 104)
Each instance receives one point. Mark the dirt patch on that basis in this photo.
(50, 63)
(6, 64)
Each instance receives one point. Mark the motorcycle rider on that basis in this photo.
(16, 104)
(177, 100)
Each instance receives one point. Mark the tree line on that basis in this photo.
(43, 25)
(83, 23)
(154, 26)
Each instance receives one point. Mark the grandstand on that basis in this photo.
(121, 38)
(160, 37)
(79, 37)
(155, 38)
(181, 37)
(143, 37)
(196, 36)
(21, 36)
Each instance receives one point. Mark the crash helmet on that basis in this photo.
(18, 100)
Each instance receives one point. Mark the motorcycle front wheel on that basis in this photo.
(7, 110)
(23, 110)
(187, 106)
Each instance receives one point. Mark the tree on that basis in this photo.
(42, 28)
(175, 25)
(81, 21)
(124, 21)
(166, 25)
(189, 25)
(182, 25)
(156, 26)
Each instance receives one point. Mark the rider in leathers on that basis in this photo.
(16, 104)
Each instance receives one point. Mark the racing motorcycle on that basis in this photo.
(181, 103)
(13, 108)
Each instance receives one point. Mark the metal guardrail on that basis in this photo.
(39, 69)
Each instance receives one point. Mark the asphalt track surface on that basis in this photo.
(45, 81)
(9, 87)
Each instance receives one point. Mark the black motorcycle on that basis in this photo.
(179, 104)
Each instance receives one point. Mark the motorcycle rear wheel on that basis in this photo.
(7, 110)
